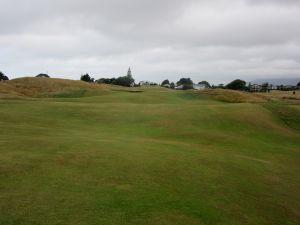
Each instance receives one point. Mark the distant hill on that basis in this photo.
(277, 81)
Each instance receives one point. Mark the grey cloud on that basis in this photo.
(215, 40)
(280, 2)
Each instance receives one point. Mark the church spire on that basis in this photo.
(129, 74)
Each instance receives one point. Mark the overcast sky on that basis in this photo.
(214, 40)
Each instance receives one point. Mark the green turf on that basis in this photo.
(148, 157)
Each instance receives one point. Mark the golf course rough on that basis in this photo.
(154, 156)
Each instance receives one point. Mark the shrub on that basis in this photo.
(187, 86)
(165, 82)
(86, 78)
(106, 80)
(43, 75)
(237, 85)
(172, 85)
(207, 85)
(126, 81)
(185, 81)
(3, 77)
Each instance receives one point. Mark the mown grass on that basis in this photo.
(149, 157)
(286, 113)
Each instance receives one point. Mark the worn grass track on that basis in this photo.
(150, 157)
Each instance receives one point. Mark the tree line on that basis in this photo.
(187, 83)
(184, 83)
(238, 84)
(126, 81)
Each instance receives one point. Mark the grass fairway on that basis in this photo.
(154, 157)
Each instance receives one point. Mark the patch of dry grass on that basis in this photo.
(233, 96)
(36, 86)
(281, 95)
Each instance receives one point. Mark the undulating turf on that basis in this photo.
(148, 157)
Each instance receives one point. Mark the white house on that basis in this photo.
(195, 86)
(144, 83)
(166, 85)
(255, 87)
(180, 87)
(199, 86)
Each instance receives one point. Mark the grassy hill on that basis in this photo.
(113, 155)
(40, 86)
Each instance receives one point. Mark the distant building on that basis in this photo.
(144, 83)
(265, 87)
(180, 87)
(255, 88)
(129, 74)
(272, 87)
(195, 86)
(290, 87)
(286, 87)
(166, 85)
(199, 86)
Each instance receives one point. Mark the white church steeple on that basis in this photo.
(129, 74)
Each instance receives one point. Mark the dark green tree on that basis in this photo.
(165, 82)
(187, 86)
(186, 83)
(207, 85)
(106, 80)
(86, 78)
(279, 87)
(172, 85)
(126, 81)
(237, 85)
(43, 75)
(265, 87)
(3, 77)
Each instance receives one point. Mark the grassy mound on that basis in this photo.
(232, 96)
(288, 114)
(39, 86)
(287, 96)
